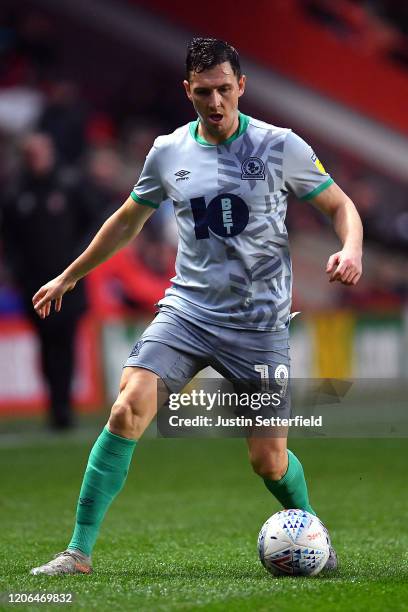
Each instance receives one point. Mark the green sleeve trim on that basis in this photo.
(139, 200)
(318, 190)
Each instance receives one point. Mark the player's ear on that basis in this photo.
(187, 88)
(241, 85)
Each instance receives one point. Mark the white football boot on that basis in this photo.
(66, 562)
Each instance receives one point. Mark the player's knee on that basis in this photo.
(120, 419)
(127, 416)
(271, 464)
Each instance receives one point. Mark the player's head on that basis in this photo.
(214, 82)
(206, 53)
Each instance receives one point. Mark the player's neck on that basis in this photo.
(218, 138)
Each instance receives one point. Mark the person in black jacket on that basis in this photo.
(45, 219)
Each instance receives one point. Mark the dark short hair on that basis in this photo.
(205, 53)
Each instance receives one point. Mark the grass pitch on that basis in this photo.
(182, 534)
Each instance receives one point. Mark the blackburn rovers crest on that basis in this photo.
(253, 169)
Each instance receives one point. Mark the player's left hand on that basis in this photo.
(345, 266)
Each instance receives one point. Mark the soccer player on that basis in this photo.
(229, 176)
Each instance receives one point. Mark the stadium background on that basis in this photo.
(337, 73)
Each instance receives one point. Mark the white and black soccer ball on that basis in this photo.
(293, 543)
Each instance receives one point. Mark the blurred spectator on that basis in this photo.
(103, 172)
(64, 119)
(136, 277)
(44, 223)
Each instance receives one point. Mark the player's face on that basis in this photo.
(214, 94)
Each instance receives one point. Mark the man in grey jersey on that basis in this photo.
(229, 176)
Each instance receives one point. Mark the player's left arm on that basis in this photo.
(344, 266)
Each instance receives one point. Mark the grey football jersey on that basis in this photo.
(233, 266)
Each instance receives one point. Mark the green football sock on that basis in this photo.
(291, 489)
(105, 475)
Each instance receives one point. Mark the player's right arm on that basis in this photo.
(117, 231)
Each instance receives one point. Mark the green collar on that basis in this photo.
(243, 124)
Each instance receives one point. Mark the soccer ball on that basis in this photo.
(293, 542)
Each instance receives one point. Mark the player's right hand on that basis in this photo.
(52, 291)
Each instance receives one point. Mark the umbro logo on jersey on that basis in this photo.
(182, 175)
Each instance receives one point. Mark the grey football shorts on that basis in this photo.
(176, 349)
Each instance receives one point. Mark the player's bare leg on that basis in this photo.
(283, 475)
(136, 404)
(268, 456)
(107, 468)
